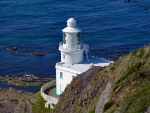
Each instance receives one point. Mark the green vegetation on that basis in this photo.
(24, 83)
(93, 111)
(132, 89)
(39, 105)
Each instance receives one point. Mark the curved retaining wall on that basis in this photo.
(50, 100)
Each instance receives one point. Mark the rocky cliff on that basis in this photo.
(123, 87)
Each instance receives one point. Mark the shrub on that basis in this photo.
(39, 105)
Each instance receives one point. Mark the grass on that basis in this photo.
(93, 111)
(39, 105)
(20, 83)
(138, 102)
(23, 83)
(132, 89)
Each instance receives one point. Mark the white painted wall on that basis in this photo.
(61, 84)
(72, 57)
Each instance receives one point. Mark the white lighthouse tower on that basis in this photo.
(72, 61)
(71, 53)
(70, 48)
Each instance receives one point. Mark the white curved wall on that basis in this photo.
(48, 98)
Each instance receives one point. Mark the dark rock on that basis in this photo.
(12, 49)
(37, 53)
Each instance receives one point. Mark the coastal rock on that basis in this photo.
(14, 102)
(12, 49)
(148, 110)
(104, 98)
(38, 53)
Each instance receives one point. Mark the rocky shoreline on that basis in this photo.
(13, 100)
(24, 80)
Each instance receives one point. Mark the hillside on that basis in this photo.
(123, 87)
(12, 101)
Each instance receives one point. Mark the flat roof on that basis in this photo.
(84, 66)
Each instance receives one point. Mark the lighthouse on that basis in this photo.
(71, 49)
(72, 52)
(74, 62)
(74, 56)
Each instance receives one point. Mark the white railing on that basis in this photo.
(50, 100)
(64, 47)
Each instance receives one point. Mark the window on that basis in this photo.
(61, 75)
(78, 36)
(64, 40)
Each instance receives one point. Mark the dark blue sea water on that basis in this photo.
(111, 27)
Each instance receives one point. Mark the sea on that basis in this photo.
(112, 28)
